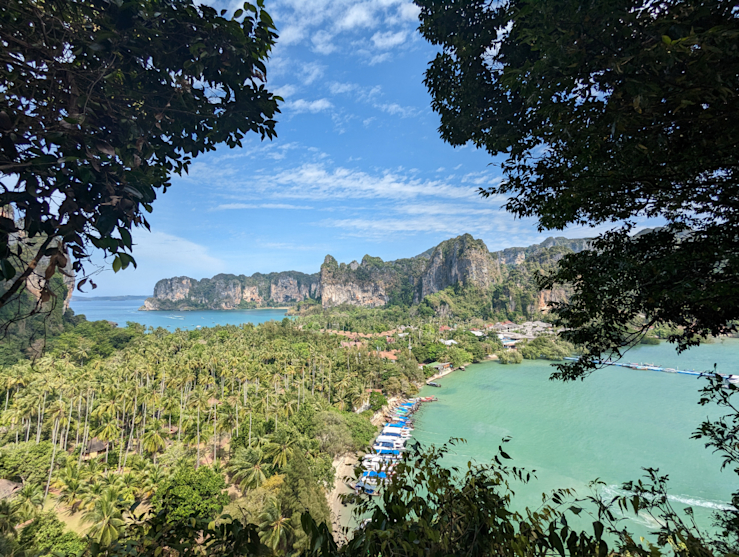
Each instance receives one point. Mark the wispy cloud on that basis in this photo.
(310, 72)
(315, 180)
(394, 109)
(302, 105)
(226, 206)
(389, 39)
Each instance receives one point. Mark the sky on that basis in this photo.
(358, 166)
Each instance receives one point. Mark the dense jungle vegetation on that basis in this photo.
(110, 417)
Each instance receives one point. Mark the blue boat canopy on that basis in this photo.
(375, 474)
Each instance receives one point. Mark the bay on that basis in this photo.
(121, 311)
(608, 427)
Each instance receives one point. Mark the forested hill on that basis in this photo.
(502, 277)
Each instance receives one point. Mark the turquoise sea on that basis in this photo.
(122, 311)
(607, 427)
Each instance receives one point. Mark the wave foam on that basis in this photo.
(611, 491)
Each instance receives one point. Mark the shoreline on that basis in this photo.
(445, 373)
(208, 309)
(341, 513)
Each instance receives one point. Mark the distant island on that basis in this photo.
(504, 277)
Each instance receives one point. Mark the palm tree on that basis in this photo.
(29, 501)
(108, 433)
(279, 449)
(153, 440)
(106, 518)
(70, 486)
(9, 517)
(274, 527)
(93, 491)
(245, 468)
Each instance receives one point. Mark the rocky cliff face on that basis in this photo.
(36, 281)
(516, 256)
(461, 261)
(232, 292)
(174, 289)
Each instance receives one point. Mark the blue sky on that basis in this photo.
(358, 166)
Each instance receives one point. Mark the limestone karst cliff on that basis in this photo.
(462, 260)
(459, 262)
(226, 291)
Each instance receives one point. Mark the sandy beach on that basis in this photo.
(341, 514)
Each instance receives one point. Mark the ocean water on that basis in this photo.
(608, 427)
(122, 311)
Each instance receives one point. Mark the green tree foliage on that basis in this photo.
(430, 510)
(509, 357)
(191, 493)
(102, 102)
(47, 536)
(377, 401)
(25, 336)
(334, 435)
(456, 356)
(301, 493)
(28, 462)
(607, 112)
(545, 348)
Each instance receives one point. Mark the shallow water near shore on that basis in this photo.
(609, 426)
(122, 311)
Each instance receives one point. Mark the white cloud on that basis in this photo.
(167, 249)
(379, 58)
(285, 91)
(301, 105)
(310, 72)
(394, 109)
(315, 181)
(359, 15)
(323, 42)
(319, 22)
(389, 39)
(226, 206)
(337, 88)
(158, 255)
(291, 34)
(409, 12)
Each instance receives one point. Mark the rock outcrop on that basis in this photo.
(227, 292)
(462, 261)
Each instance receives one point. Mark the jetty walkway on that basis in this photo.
(652, 367)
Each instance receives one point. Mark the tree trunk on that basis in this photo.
(69, 424)
(40, 422)
(143, 428)
(215, 433)
(123, 437)
(130, 435)
(249, 429)
(86, 429)
(77, 434)
(179, 425)
(53, 456)
(197, 462)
